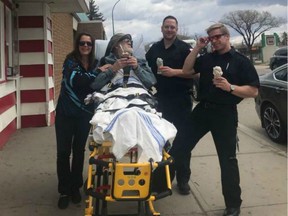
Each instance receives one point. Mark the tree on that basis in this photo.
(183, 37)
(284, 39)
(183, 32)
(251, 24)
(94, 13)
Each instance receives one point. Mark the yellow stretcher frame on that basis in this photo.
(125, 181)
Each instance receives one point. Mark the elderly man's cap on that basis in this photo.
(116, 39)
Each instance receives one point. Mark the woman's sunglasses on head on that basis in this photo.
(83, 43)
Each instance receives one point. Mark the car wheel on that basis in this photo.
(272, 123)
(195, 90)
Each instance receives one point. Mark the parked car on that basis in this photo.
(271, 103)
(194, 91)
(279, 58)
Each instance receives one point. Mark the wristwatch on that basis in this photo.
(232, 88)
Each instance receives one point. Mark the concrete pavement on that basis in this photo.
(28, 181)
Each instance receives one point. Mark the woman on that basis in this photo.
(72, 118)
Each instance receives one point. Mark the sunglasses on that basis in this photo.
(83, 43)
(215, 37)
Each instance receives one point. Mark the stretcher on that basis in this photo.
(110, 180)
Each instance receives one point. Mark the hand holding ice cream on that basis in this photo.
(159, 62)
(217, 71)
(126, 51)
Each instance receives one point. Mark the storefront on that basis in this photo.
(27, 60)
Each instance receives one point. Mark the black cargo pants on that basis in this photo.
(221, 121)
(71, 135)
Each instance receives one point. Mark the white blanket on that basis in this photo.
(126, 128)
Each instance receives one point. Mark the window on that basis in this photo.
(281, 75)
(9, 41)
(270, 40)
(2, 47)
(282, 52)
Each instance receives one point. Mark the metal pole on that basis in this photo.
(113, 16)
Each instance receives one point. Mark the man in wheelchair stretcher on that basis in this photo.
(125, 112)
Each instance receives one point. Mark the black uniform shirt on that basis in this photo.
(237, 69)
(173, 57)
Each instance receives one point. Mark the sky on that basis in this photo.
(143, 18)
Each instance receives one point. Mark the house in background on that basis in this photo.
(35, 37)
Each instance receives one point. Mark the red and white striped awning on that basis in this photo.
(62, 6)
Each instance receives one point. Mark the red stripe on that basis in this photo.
(31, 46)
(51, 94)
(7, 102)
(32, 70)
(52, 118)
(33, 121)
(33, 96)
(7, 132)
(30, 21)
(49, 47)
(50, 69)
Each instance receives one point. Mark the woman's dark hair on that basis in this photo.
(76, 53)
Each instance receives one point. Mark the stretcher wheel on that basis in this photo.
(143, 209)
(147, 209)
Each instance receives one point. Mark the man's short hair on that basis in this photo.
(170, 17)
(220, 26)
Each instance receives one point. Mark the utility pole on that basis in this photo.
(113, 16)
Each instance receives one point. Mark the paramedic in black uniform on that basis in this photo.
(217, 110)
(174, 100)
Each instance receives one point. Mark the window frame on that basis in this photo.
(2, 44)
(9, 36)
(281, 75)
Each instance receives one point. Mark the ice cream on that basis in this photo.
(217, 71)
(126, 51)
(159, 62)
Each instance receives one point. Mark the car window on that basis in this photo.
(281, 75)
(281, 52)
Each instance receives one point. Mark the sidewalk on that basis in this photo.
(29, 183)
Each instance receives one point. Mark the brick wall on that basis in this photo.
(63, 38)
(95, 28)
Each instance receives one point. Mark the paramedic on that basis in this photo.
(173, 87)
(217, 110)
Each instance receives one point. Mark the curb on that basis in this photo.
(260, 138)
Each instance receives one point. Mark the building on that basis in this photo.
(35, 37)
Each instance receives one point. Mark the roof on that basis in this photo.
(62, 6)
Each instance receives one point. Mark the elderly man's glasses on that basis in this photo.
(83, 43)
(215, 37)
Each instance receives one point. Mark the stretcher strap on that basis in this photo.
(103, 187)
